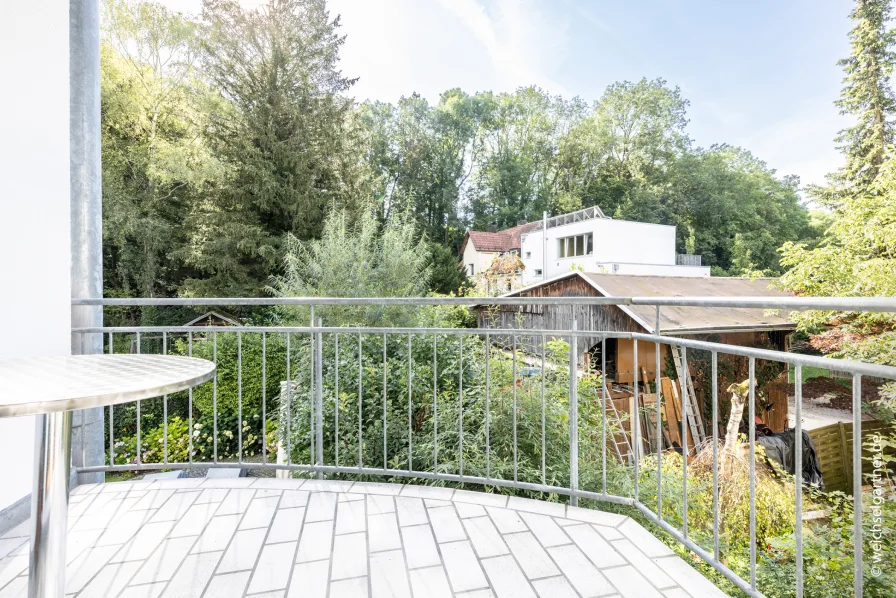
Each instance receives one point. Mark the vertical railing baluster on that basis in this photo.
(513, 383)
(165, 406)
(139, 423)
(435, 405)
(752, 439)
(288, 399)
(798, 477)
(636, 414)
(715, 455)
(857, 482)
(312, 380)
(460, 402)
(215, 395)
(336, 402)
(573, 418)
(319, 396)
(264, 396)
(190, 399)
(543, 418)
(659, 423)
(488, 424)
(603, 413)
(385, 412)
(111, 413)
(239, 395)
(684, 441)
(410, 408)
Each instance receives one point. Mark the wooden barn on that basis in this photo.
(733, 326)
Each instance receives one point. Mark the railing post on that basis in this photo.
(573, 418)
(319, 397)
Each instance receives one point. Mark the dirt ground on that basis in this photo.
(827, 401)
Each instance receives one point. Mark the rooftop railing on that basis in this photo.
(504, 408)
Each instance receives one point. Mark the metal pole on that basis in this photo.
(544, 245)
(49, 505)
(573, 418)
(319, 396)
(86, 211)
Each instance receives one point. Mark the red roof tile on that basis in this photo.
(500, 241)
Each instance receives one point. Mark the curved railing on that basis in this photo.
(311, 376)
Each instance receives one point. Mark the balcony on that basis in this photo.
(441, 461)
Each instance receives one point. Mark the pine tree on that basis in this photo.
(868, 97)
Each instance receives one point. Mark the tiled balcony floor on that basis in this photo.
(277, 538)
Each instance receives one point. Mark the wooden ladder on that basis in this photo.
(623, 448)
(689, 403)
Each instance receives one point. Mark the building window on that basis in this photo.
(470, 270)
(537, 272)
(576, 245)
(528, 255)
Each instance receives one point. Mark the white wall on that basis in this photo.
(34, 207)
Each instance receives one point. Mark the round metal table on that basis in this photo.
(50, 388)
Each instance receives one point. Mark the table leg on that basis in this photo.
(49, 505)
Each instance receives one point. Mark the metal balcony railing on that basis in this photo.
(383, 402)
(688, 259)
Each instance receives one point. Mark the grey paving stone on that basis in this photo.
(286, 526)
(350, 517)
(327, 485)
(309, 580)
(554, 587)
(230, 585)
(259, 513)
(193, 575)
(446, 524)
(644, 564)
(316, 541)
(350, 588)
(485, 538)
(466, 510)
(435, 492)
(377, 488)
(378, 504)
(464, 571)
(687, 577)
(554, 509)
(175, 507)
(507, 521)
(506, 579)
(195, 519)
(596, 516)
(292, 499)
(643, 539)
(430, 582)
(236, 502)
(110, 580)
(273, 568)
(383, 532)
(410, 511)
(545, 529)
(350, 497)
(583, 576)
(630, 583)
(211, 495)
(388, 575)
(144, 542)
(480, 498)
(153, 590)
(420, 546)
(349, 556)
(321, 507)
(163, 563)
(79, 572)
(601, 552)
(532, 556)
(243, 551)
(217, 534)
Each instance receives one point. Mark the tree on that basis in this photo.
(868, 96)
(288, 137)
(155, 162)
(359, 258)
(448, 274)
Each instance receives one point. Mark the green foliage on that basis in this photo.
(448, 274)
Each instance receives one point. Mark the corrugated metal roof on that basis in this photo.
(682, 320)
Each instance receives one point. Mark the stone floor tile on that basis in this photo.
(630, 583)
(153, 499)
(110, 580)
(420, 546)
(273, 568)
(350, 517)
(383, 532)
(287, 525)
(316, 541)
(175, 507)
(477, 594)
(432, 503)
(601, 552)
(217, 534)
(687, 577)
(164, 562)
(309, 580)
(608, 533)
(11, 567)
(21, 530)
(643, 563)
(277, 483)
(596, 516)
(466, 510)
(227, 482)
(507, 581)
(243, 551)
(506, 521)
(377, 488)
(211, 495)
(410, 511)
(446, 524)
(144, 542)
(321, 507)
(480, 498)
(349, 556)
(9, 545)
(584, 577)
(292, 499)
(643, 539)
(259, 513)
(436, 492)
(17, 588)
(193, 575)
(378, 504)
(388, 575)
(152, 590)
(533, 558)
(544, 528)
(485, 538)
(123, 529)
(675, 593)
(554, 587)
(462, 566)
(554, 509)
(195, 519)
(350, 496)
(327, 485)
(230, 585)
(82, 569)
(236, 502)
(176, 483)
(350, 588)
(268, 493)
(430, 582)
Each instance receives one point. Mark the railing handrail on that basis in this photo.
(868, 304)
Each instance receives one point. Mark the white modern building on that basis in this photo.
(585, 240)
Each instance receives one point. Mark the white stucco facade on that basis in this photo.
(475, 262)
(616, 247)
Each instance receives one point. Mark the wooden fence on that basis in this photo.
(833, 444)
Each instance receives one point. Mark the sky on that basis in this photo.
(760, 74)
